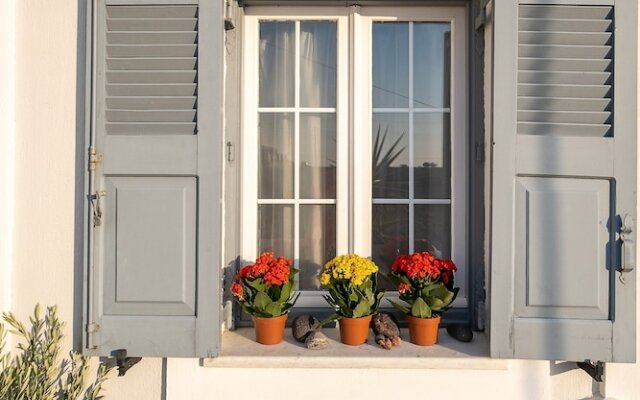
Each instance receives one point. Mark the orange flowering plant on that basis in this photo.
(424, 282)
(265, 288)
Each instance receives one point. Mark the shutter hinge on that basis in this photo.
(92, 327)
(230, 152)
(94, 158)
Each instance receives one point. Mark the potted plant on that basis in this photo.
(425, 283)
(265, 290)
(352, 283)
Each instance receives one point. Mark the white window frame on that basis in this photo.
(353, 119)
(362, 128)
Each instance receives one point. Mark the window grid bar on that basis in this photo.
(327, 110)
(296, 157)
(414, 109)
(412, 201)
(297, 201)
(411, 172)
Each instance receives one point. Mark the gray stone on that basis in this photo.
(317, 341)
(302, 326)
(386, 329)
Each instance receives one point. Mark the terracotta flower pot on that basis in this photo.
(423, 331)
(354, 331)
(269, 330)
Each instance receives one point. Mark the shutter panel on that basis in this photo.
(564, 123)
(155, 255)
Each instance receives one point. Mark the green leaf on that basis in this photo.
(261, 301)
(420, 309)
(292, 273)
(399, 307)
(273, 309)
(353, 296)
(363, 308)
(447, 299)
(256, 284)
(435, 303)
(426, 291)
(286, 291)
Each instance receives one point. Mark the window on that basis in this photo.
(354, 140)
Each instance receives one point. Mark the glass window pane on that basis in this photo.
(317, 242)
(318, 63)
(318, 156)
(275, 229)
(433, 229)
(275, 158)
(432, 155)
(390, 155)
(431, 64)
(277, 64)
(390, 237)
(391, 64)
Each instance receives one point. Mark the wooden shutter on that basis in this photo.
(154, 252)
(564, 182)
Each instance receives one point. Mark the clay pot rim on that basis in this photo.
(411, 316)
(279, 316)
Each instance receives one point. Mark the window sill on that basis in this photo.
(240, 350)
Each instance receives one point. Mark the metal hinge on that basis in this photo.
(123, 362)
(230, 152)
(92, 327)
(94, 158)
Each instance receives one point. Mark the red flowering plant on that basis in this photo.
(424, 282)
(265, 288)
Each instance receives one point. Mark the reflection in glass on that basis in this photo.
(317, 241)
(318, 65)
(390, 161)
(275, 158)
(277, 63)
(431, 64)
(433, 229)
(391, 64)
(275, 229)
(317, 156)
(390, 237)
(431, 155)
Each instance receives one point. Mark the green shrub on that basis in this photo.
(35, 370)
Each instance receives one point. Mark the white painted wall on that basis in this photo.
(41, 171)
(7, 144)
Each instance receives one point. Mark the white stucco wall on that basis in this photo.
(38, 177)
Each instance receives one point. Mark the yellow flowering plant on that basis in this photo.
(352, 283)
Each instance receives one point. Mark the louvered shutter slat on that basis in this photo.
(158, 63)
(566, 52)
(151, 89)
(146, 37)
(142, 48)
(152, 76)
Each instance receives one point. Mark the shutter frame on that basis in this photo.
(519, 154)
(194, 159)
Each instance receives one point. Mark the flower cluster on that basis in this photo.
(265, 288)
(352, 285)
(419, 266)
(349, 267)
(274, 271)
(424, 282)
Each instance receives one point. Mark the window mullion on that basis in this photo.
(296, 151)
(411, 171)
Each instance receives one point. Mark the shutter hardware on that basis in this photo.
(123, 362)
(94, 199)
(94, 158)
(595, 370)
